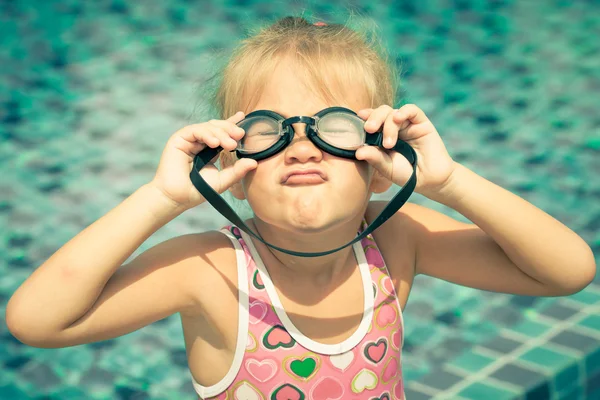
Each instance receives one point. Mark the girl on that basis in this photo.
(263, 324)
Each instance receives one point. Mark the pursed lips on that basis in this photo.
(304, 176)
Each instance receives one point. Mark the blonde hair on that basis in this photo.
(332, 57)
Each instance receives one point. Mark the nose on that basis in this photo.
(302, 149)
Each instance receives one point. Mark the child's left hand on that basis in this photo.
(409, 123)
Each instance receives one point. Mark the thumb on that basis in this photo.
(237, 117)
(234, 173)
(378, 158)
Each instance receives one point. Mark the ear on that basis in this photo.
(379, 183)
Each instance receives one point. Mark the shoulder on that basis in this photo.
(412, 219)
(399, 227)
(209, 266)
(396, 241)
(402, 236)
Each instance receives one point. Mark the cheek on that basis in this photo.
(258, 185)
(356, 173)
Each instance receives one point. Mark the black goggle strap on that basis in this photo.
(206, 155)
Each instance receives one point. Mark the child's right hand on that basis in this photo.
(173, 174)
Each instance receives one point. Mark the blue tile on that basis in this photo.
(415, 394)
(591, 322)
(559, 311)
(550, 359)
(567, 378)
(575, 340)
(575, 393)
(440, 379)
(586, 296)
(502, 345)
(519, 376)
(486, 390)
(541, 392)
(592, 361)
(593, 386)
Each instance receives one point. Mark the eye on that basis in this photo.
(260, 128)
(261, 133)
(342, 130)
(337, 125)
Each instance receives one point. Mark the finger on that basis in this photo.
(234, 131)
(377, 118)
(377, 158)
(364, 113)
(198, 134)
(410, 113)
(390, 131)
(224, 140)
(191, 148)
(237, 117)
(234, 173)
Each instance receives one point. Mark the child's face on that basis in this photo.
(339, 190)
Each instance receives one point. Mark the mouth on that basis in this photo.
(303, 177)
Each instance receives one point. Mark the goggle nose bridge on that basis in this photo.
(311, 122)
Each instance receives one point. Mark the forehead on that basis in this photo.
(290, 91)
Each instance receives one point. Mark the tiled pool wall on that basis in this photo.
(90, 92)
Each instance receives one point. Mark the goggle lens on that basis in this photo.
(342, 130)
(261, 133)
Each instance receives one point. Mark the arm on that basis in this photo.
(513, 247)
(78, 283)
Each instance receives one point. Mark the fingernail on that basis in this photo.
(389, 141)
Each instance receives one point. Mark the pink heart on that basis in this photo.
(328, 388)
(257, 310)
(376, 352)
(277, 336)
(263, 370)
(288, 392)
(396, 340)
(390, 371)
(386, 316)
(387, 285)
(399, 390)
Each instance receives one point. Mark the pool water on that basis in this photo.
(91, 91)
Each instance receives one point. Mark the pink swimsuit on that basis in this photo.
(275, 361)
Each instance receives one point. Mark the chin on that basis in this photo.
(299, 220)
(302, 223)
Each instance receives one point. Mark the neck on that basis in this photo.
(316, 270)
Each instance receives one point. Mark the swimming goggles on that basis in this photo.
(336, 130)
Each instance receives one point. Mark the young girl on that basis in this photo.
(263, 324)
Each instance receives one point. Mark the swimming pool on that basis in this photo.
(90, 92)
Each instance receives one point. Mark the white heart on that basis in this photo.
(342, 361)
(256, 318)
(365, 379)
(251, 344)
(246, 392)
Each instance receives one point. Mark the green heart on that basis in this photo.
(255, 281)
(303, 368)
